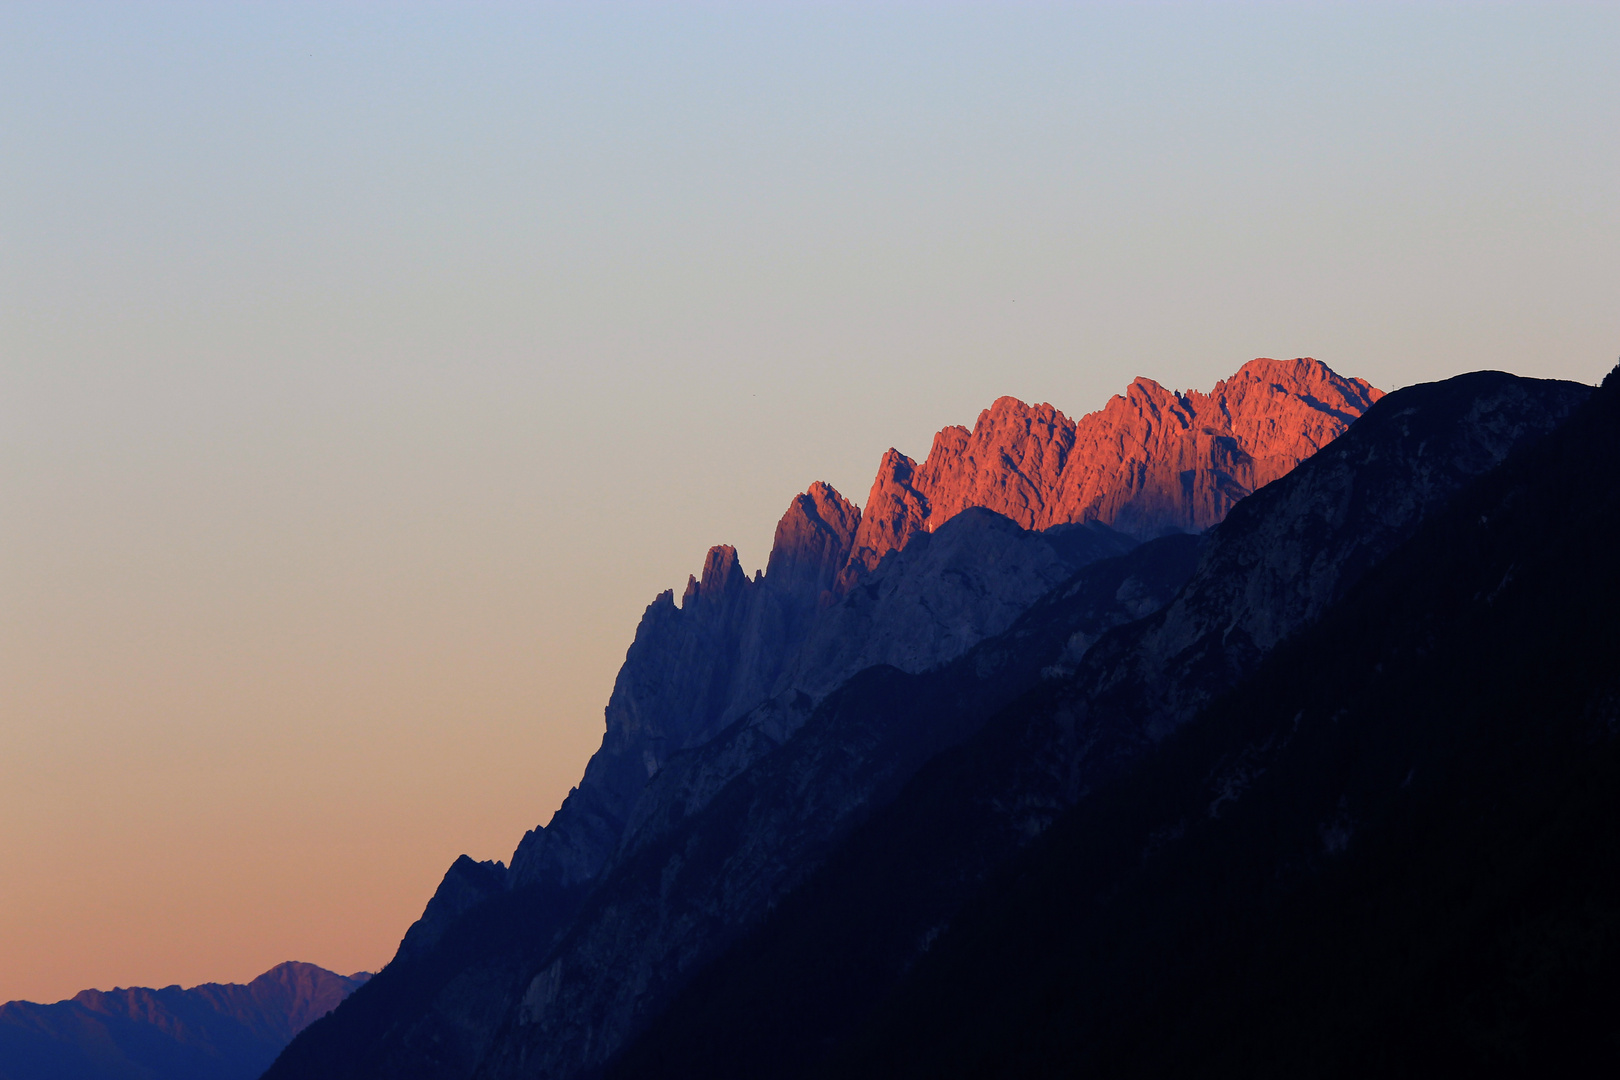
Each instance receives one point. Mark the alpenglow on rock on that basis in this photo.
(1150, 462)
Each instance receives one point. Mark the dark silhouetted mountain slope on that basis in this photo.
(786, 994)
(683, 896)
(1392, 851)
(433, 1010)
(216, 1031)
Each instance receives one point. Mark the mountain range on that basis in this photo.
(215, 1031)
(1271, 731)
(904, 935)
(1389, 851)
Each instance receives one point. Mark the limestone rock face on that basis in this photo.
(932, 602)
(727, 829)
(774, 646)
(687, 665)
(693, 668)
(812, 543)
(1149, 462)
(942, 594)
(895, 512)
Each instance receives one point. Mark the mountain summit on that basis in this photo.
(1149, 462)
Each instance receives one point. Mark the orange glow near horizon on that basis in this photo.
(263, 800)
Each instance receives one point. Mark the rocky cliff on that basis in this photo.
(1391, 851)
(1148, 462)
(700, 872)
(831, 948)
(945, 555)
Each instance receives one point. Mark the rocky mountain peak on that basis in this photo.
(1150, 461)
(722, 574)
(895, 511)
(812, 542)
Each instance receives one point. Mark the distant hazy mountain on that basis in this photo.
(216, 1031)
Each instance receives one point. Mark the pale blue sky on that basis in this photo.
(365, 369)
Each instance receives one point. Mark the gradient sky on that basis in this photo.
(366, 369)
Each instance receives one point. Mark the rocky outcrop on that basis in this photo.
(811, 545)
(687, 668)
(700, 872)
(1148, 462)
(465, 885)
(933, 601)
(215, 1031)
(737, 644)
(942, 594)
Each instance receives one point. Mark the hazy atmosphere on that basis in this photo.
(366, 369)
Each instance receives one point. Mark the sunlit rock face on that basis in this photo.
(1150, 462)
(812, 543)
